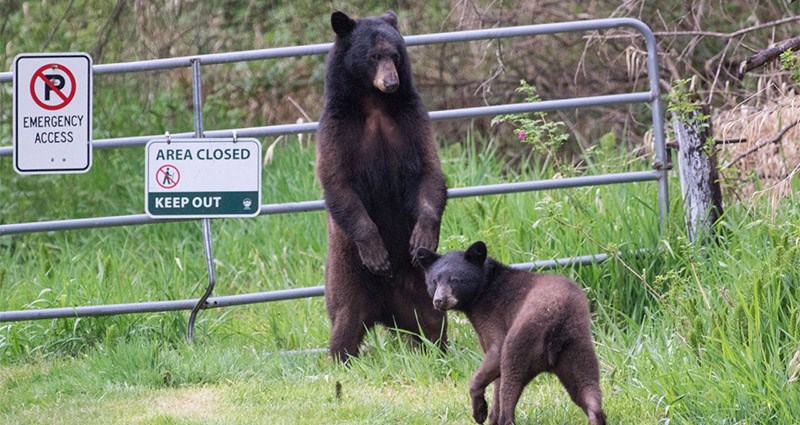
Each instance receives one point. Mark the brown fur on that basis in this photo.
(527, 323)
(383, 186)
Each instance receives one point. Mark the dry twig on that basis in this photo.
(724, 35)
(775, 139)
(110, 25)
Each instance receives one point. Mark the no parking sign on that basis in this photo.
(52, 113)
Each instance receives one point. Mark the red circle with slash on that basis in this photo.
(165, 177)
(65, 98)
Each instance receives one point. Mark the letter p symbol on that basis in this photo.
(57, 80)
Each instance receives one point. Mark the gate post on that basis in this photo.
(197, 101)
(697, 164)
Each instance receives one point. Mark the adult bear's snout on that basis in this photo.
(386, 79)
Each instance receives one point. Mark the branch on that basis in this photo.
(57, 27)
(675, 146)
(768, 55)
(97, 51)
(724, 35)
(729, 141)
(775, 139)
(735, 33)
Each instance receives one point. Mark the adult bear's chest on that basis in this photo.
(385, 140)
(387, 156)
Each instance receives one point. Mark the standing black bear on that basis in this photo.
(527, 323)
(383, 186)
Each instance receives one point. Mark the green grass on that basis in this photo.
(685, 334)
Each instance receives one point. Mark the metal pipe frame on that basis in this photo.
(652, 96)
(319, 205)
(451, 114)
(234, 300)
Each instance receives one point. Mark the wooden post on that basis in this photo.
(697, 165)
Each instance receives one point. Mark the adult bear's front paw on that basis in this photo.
(375, 257)
(421, 238)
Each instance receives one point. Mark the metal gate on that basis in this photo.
(652, 96)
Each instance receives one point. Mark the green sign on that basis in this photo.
(202, 178)
(204, 204)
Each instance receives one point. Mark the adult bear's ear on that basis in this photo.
(476, 254)
(426, 257)
(342, 24)
(390, 18)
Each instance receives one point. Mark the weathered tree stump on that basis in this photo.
(697, 165)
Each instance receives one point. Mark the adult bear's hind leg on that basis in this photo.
(352, 307)
(347, 331)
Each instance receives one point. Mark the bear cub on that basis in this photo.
(527, 323)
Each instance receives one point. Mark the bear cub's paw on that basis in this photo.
(479, 409)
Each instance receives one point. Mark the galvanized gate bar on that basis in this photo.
(294, 207)
(233, 300)
(157, 306)
(451, 114)
(411, 40)
(563, 183)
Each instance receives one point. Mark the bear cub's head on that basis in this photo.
(375, 51)
(454, 279)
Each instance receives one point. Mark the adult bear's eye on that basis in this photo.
(375, 57)
(396, 58)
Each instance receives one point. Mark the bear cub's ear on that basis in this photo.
(426, 257)
(342, 24)
(390, 18)
(476, 254)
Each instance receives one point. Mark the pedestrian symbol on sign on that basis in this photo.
(167, 176)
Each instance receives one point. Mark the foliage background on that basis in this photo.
(685, 333)
(702, 38)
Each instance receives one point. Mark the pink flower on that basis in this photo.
(522, 134)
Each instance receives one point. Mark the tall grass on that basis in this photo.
(685, 333)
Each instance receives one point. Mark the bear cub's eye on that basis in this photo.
(455, 280)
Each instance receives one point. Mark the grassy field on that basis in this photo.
(685, 334)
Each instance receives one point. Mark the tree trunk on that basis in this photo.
(697, 165)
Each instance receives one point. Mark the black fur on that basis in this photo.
(383, 185)
(527, 323)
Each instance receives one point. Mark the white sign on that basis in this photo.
(52, 113)
(202, 178)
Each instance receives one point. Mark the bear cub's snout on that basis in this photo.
(443, 298)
